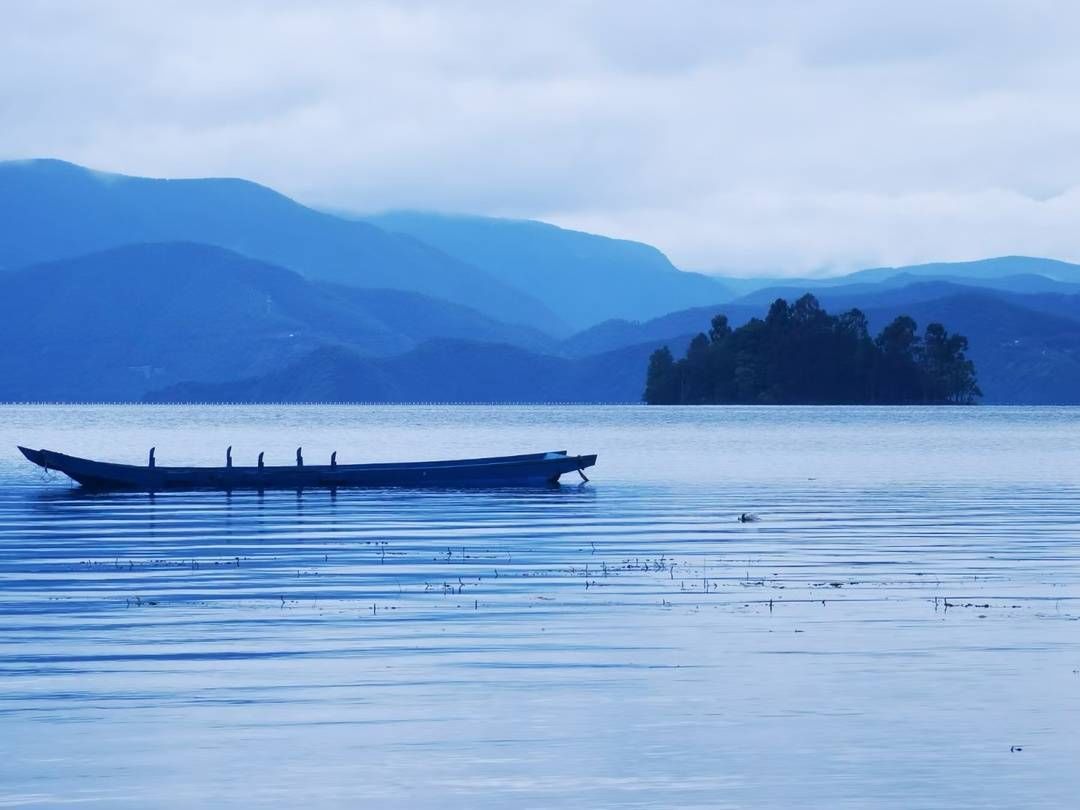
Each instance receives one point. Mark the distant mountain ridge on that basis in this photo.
(584, 277)
(435, 371)
(115, 324)
(1000, 272)
(984, 269)
(56, 210)
(183, 319)
(1023, 355)
(114, 287)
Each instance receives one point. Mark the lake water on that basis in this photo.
(899, 629)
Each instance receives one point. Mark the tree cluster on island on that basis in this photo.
(800, 354)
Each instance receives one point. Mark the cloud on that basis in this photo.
(748, 137)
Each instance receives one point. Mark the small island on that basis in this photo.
(801, 355)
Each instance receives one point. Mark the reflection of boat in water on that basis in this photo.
(535, 469)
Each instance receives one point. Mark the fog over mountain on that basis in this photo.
(746, 139)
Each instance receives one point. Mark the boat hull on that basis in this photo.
(535, 469)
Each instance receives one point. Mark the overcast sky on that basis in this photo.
(738, 137)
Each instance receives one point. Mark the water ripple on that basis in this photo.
(880, 633)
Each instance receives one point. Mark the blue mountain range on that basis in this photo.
(125, 288)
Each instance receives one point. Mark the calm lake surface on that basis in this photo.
(904, 613)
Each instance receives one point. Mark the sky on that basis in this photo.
(747, 138)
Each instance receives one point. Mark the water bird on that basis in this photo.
(748, 517)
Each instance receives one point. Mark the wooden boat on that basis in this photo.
(534, 469)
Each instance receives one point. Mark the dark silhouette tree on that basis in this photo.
(801, 354)
(898, 380)
(696, 385)
(662, 382)
(950, 375)
(719, 330)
